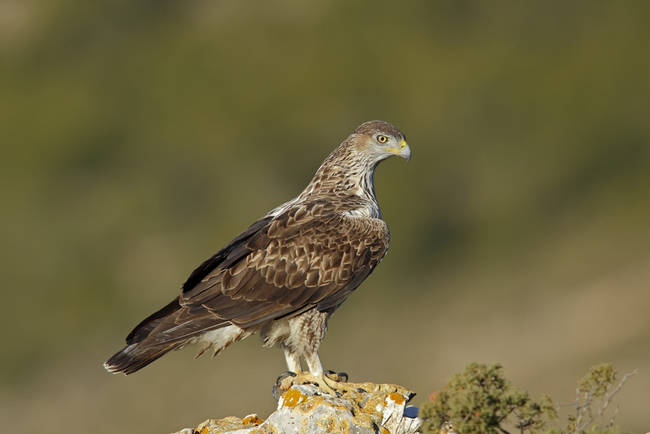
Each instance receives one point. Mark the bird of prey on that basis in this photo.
(288, 272)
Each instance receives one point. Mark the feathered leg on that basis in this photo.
(293, 360)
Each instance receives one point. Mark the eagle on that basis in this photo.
(288, 272)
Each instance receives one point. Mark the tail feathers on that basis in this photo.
(147, 325)
(141, 351)
(167, 329)
(136, 356)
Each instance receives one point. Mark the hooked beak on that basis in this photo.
(403, 151)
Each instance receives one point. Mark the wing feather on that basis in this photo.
(308, 257)
(226, 256)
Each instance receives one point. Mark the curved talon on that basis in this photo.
(281, 385)
(326, 387)
(330, 382)
(339, 377)
(286, 374)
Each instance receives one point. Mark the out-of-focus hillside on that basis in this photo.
(139, 137)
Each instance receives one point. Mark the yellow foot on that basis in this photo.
(330, 382)
(339, 377)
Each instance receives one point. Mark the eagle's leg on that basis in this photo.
(314, 364)
(293, 360)
(306, 332)
(328, 382)
(316, 369)
(285, 380)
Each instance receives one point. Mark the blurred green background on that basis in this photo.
(140, 137)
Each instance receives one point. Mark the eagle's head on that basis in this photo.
(349, 170)
(380, 140)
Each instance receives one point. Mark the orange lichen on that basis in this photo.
(398, 398)
(359, 405)
(334, 424)
(252, 420)
(292, 397)
(310, 404)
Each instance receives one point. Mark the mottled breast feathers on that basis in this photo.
(287, 272)
(310, 255)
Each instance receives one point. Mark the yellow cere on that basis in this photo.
(401, 146)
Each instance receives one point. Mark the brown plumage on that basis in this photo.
(286, 273)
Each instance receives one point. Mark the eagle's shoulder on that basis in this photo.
(225, 256)
(310, 255)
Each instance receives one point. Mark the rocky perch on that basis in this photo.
(306, 408)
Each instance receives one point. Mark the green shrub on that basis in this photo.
(482, 400)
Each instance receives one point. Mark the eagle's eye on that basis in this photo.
(382, 139)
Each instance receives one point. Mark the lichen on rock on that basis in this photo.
(305, 408)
